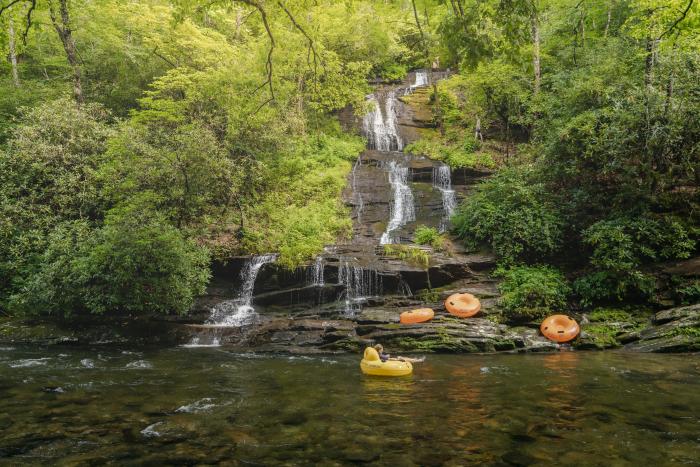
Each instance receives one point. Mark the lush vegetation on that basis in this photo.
(533, 292)
(593, 110)
(140, 141)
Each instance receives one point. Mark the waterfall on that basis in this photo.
(316, 278)
(402, 210)
(381, 129)
(239, 312)
(358, 284)
(421, 79)
(357, 196)
(442, 180)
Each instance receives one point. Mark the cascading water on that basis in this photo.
(316, 278)
(402, 209)
(442, 180)
(421, 79)
(358, 284)
(239, 312)
(357, 195)
(381, 128)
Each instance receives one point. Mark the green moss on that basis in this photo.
(429, 295)
(609, 314)
(602, 336)
(686, 331)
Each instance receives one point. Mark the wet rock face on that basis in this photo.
(444, 334)
(390, 193)
(673, 330)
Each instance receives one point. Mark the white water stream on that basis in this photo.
(239, 311)
(421, 79)
(380, 128)
(403, 208)
(442, 180)
(359, 283)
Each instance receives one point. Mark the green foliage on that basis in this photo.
(456, 157)
(47, 176)
(620, 247)
(533, 292)
(625, 243)
(508, 213)
(425, 235)
(688, 293)
(140, 263)
(394, 72)
(685, 331)
(308, 182)
(135, 263)
(408, 253)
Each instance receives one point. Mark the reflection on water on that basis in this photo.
(210, 406)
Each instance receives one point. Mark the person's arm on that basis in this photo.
(411, 360)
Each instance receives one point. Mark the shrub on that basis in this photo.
(621, 247)
(688, 293)
(141, 263)
(611, 286)
(532, 292)
(425, 235)
(455, 155)
(136, 262)
(625, 243)
(409, 254)
(511, 214)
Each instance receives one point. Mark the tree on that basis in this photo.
(63, 28)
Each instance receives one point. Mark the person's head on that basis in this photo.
(379, 348)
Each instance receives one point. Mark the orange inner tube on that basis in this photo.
(417, 316)
(463, 305)
(559, 328)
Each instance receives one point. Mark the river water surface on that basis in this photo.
(209, 405)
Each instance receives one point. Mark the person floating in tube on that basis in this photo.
(384, 357)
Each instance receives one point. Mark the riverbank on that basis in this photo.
(674, 330)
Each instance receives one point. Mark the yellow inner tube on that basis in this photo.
(371, 364)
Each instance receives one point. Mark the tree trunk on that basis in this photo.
(671, 79)
(66, 35)
(426, 51)
(649, 62)
(438, 110)
(536, 51)
(607, 23)
(13, 54)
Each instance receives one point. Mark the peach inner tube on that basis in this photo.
(463, 305)
(417, 316)
(559, 328)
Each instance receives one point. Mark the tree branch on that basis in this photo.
(32, 7)
(268, 65)
(312, 47)
(9, 5)
(681, 18)
(164, 58)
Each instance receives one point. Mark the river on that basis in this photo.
(209, 405)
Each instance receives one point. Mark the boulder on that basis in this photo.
(674, 330)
